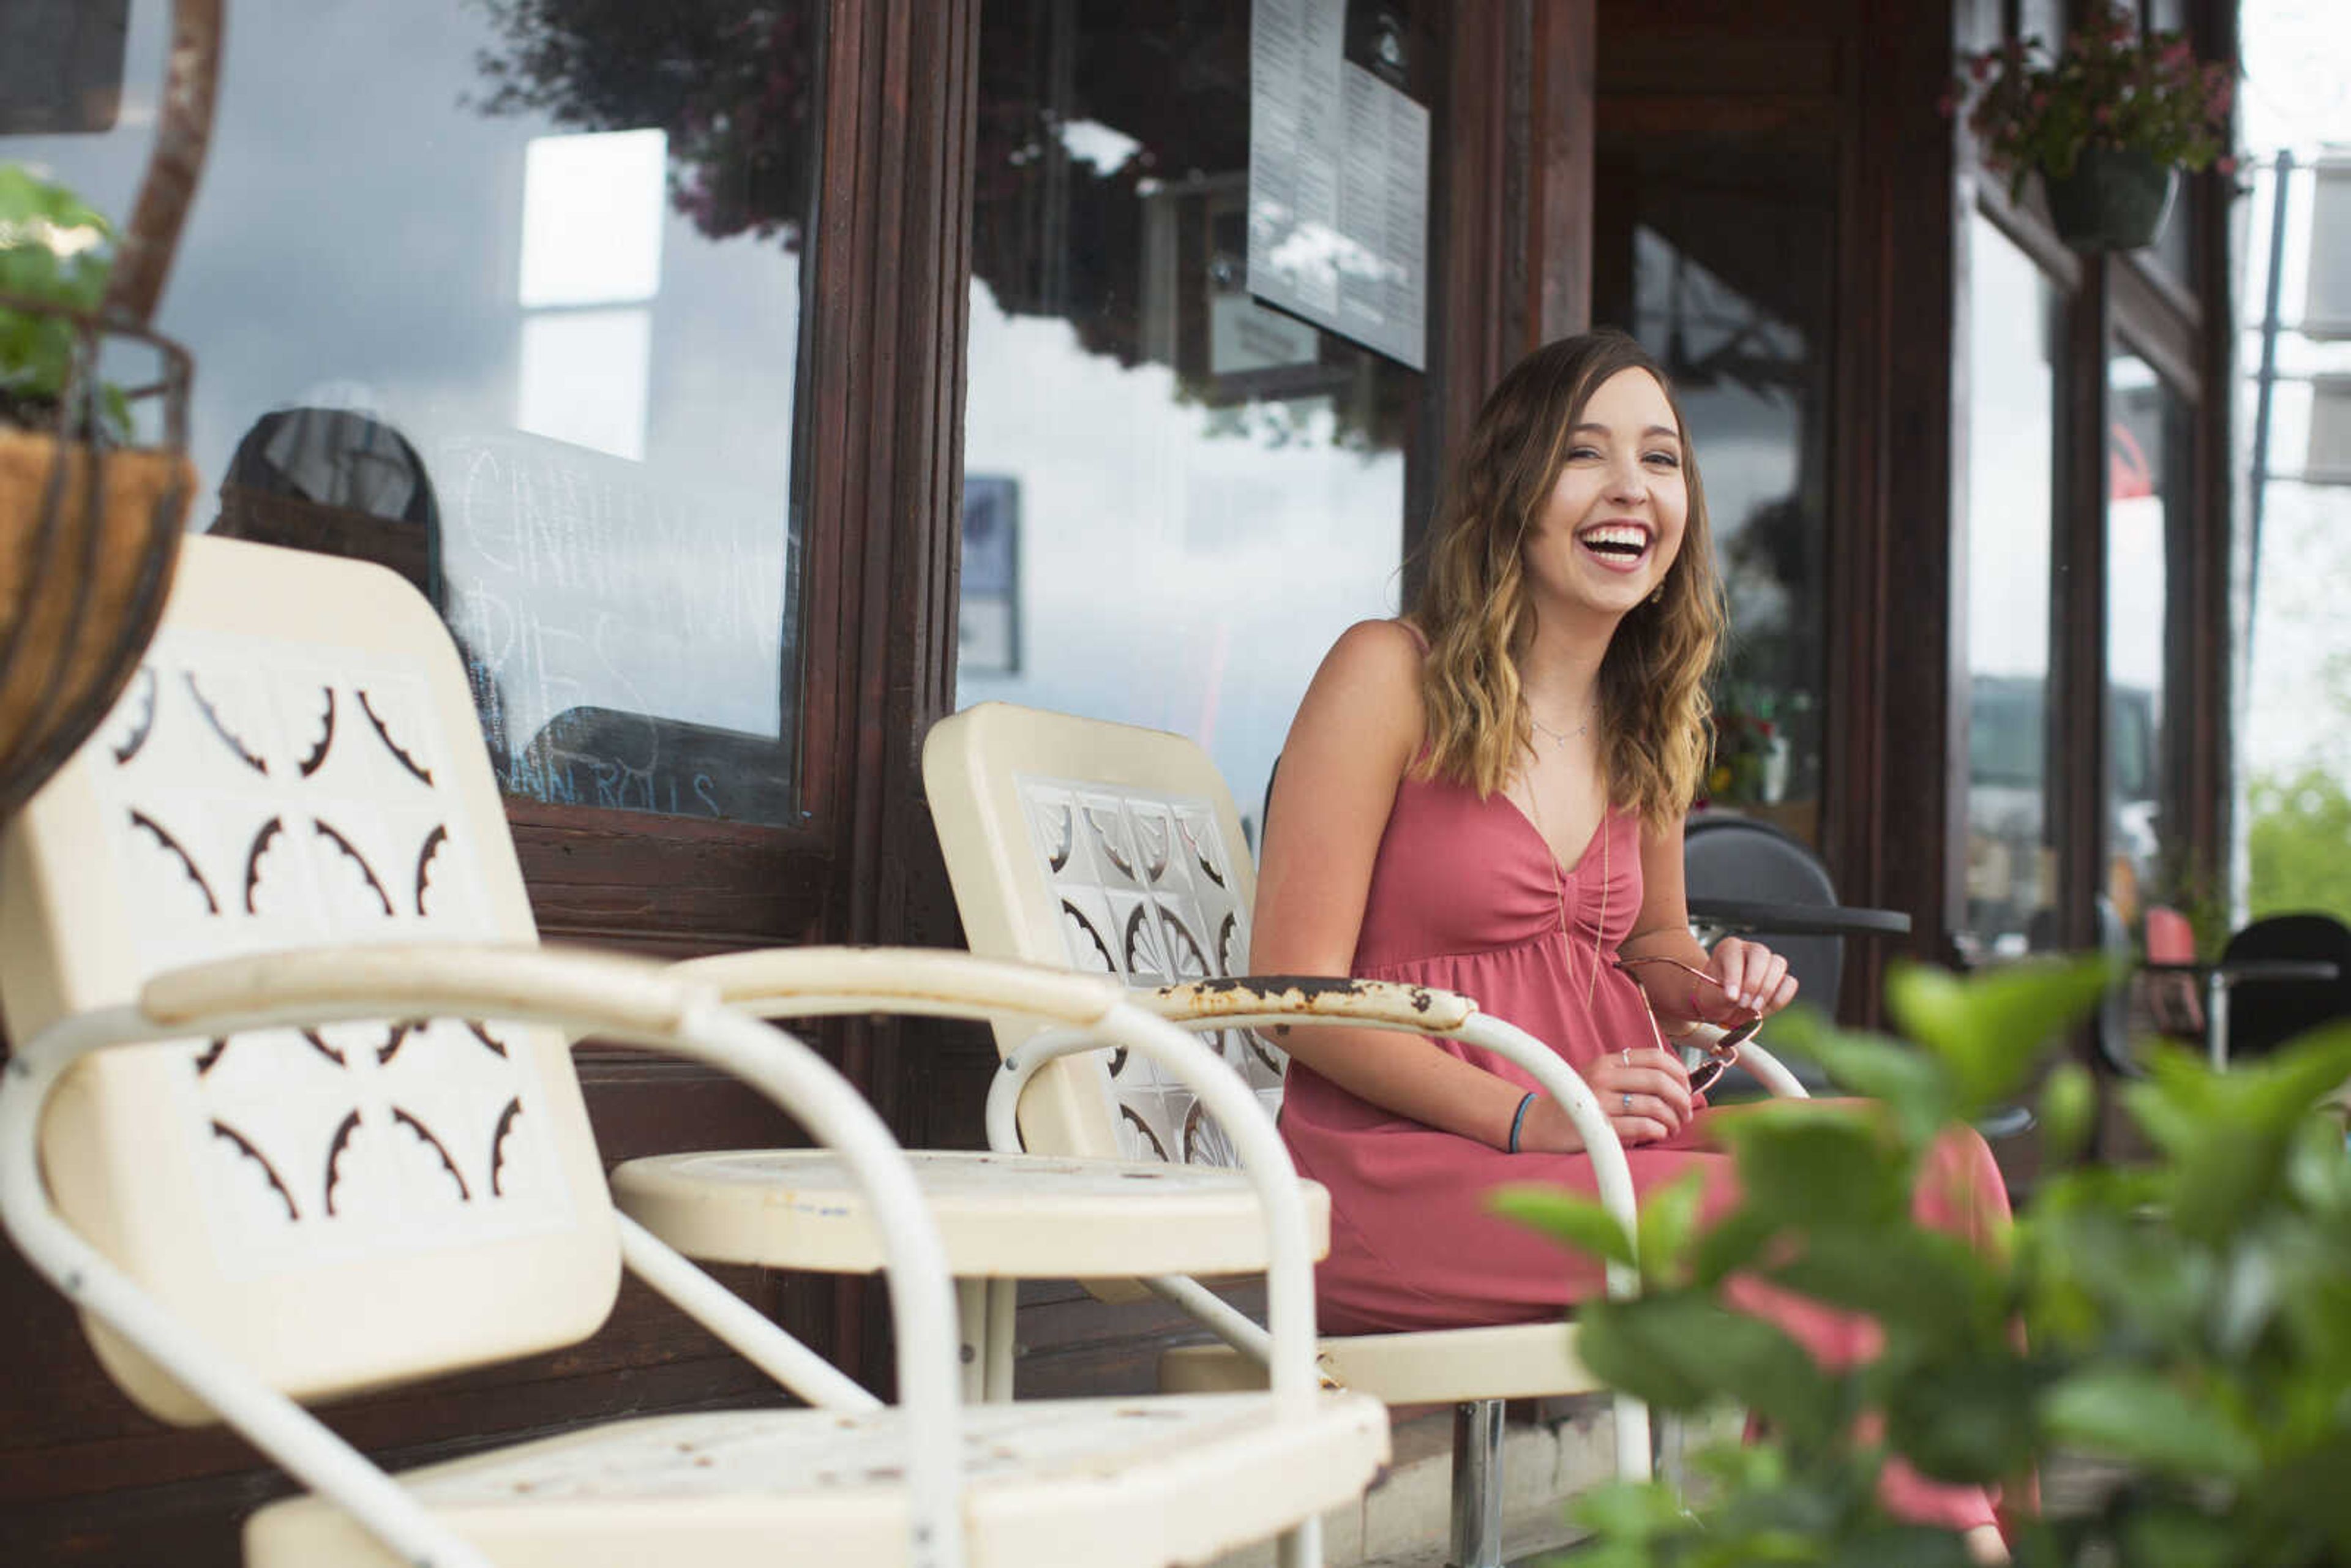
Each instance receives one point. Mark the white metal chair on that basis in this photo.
(269, 1171)
(1118, 850)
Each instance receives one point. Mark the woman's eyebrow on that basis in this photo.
(1655, 430)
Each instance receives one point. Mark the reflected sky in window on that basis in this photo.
(601, 393)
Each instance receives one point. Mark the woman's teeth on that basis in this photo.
(1625, 543)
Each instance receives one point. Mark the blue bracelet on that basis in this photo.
(1519, 1119)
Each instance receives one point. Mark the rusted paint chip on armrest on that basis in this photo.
(1315, 996)
(420, 979)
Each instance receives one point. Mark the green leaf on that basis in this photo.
(1669, 1219)
(1682, 1351)
(1566, 1216)
(2069, 1102)
(1914, 1085)
(2129, 1413)
(1818, 1165)
(1921, 1285)
(2229, 1135)
(1967, 1420)
(1992, 1027)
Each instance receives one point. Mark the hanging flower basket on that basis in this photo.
(2116, 199)
(90, 525)
(2107, 121)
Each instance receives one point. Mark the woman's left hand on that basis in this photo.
(1755, 981)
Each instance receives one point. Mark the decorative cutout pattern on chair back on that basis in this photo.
(258, 795)
(1112, 850)
(1145, 885)
(297, 765)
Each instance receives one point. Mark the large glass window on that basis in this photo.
(1174, 498)
(1720, 256)
(2010, 409)
(506, 294)
(2147, 502)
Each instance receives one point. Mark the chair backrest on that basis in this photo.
(297, 763)
(2170, 938)
(1740, 857)
(2265, 1015)
(1106, 848)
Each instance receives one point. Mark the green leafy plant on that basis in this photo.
(2110, 86)
(54, 251)
(2177, 1329)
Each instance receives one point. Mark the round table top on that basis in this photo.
(1739, 914)
(1000, 1215)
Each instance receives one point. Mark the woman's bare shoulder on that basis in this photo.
(1369, 686)
(1390, 652)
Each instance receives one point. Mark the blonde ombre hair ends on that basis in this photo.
(1475, 611)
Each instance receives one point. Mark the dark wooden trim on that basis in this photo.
(1478, 333)
(669, 885)
(1891, 583)
(1561, 131)
(2076, 718)
(897, 204)
(2152, 321)
(2210, 735)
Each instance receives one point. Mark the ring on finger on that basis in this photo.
(1628, 1103)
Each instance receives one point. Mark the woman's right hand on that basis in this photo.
(1644, 1093)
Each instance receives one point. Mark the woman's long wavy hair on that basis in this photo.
(1475, 609)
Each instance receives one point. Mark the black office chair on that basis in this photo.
(1739, 859)
(1729, 857)
(2254, 1012)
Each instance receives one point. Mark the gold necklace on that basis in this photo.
(1559, 889)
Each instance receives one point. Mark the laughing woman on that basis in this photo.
(1486, 796)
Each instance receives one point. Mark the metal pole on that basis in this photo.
(2265, 381)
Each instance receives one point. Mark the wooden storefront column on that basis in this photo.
(1896, 658)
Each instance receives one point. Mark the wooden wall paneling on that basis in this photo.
(1892, 683)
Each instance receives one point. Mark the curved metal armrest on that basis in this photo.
(614, 998)
(1280, 1002)
(1090, 1013)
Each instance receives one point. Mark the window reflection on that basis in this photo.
(2011, 411)
(1174, 498)
(2146, 498)
(506, 294)
(1719, 259)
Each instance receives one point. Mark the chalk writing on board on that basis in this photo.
(625, 631)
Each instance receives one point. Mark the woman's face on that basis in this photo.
(1613, 521)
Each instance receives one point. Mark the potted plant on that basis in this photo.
(89, 524)
(2166, 1342)
(2107, 121)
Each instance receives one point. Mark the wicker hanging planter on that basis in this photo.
(2116, 199)
(88, 531)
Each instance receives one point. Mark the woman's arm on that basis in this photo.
(1755, 980)
(1355, 734)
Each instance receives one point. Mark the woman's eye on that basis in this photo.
(1664, 459)
(1583, 454)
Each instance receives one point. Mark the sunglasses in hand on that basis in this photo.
(1711, 1060)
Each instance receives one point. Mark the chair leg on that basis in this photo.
(1476, 1485)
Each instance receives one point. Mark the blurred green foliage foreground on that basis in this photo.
(2186, 1320)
